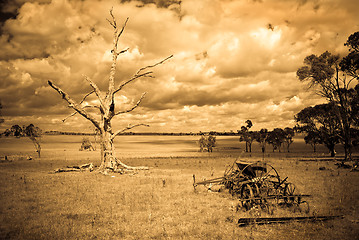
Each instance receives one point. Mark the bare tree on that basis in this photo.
(34, 133)
(106, 107)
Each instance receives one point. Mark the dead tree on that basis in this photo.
(106, 107)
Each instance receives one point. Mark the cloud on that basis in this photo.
(233, 60)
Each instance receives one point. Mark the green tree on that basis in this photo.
(321, 125)
(288, 136)
(261, 138)
(207, 142)
(313, 138)
(247, 136)
(334, 79)
(276, 138)
(86, 145)
(34, 134)
(350, 63)
(16, 130)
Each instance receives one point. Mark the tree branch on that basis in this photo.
(123, 51)
(96, 90)
(113, 23)
(74, 113)
(146, 74)
(83, 99)
(154, 65)
(111, 85)
(91, 106)
(139, 74)
(127, 128)
(74, 105)
(122, 29)
(134, 107)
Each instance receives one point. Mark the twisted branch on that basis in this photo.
(74, 105)
(71, 115)
(74, 113)
(122, 29)
(139, 74)
(146, 74)
(96, 90)
(134, 107)
(154, 65)
(83, 99)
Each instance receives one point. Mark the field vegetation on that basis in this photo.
(160, 203)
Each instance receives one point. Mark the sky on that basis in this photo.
(233, 60)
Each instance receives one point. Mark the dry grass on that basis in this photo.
(35, 204)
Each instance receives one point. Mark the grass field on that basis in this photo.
(161, 203)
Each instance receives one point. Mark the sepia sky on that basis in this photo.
(233, 59)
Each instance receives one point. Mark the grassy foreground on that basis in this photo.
(161, 203)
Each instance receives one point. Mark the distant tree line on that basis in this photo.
(230, 133)
(278, 138)
(66, 133)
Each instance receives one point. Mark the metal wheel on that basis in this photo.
(264, 175)
(246, 195)
(260, 171)
(288, 193)
(246, 191)
(256, 190)
(230, 174)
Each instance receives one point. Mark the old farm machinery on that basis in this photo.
(257, 185)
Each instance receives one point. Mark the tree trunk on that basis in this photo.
(347, 143)
(332, 152)
(37, 145)
(108, 160)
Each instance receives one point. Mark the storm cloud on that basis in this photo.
(233, 60)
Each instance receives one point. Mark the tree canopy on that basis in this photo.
(246, 135)
(321, 125)
(335, 79)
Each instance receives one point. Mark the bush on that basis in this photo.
(207, 142)
(86, 145)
